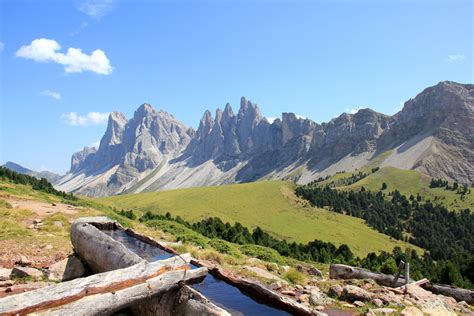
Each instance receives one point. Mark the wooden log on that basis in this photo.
(457, 293)
(100, 251)
(144, 279)
(342, 271)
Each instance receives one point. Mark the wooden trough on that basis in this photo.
(122, 280)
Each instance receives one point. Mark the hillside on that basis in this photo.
(408, 182)
(268, 204)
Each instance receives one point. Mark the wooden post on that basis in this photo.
(407, 275)
(397, 275)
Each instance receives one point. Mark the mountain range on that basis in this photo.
(433, 133)
(48, 175)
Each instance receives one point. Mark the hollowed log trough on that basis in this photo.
(123, 280)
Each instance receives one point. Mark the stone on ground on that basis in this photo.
(66, 269)
(319, 298)
(5, 274)
(411, 311)
(27, 272)
(353, 293)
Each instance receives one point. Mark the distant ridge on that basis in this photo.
(52, 177)
(154, 151)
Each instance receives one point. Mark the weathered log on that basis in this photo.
(345, 272)
(100, 251)
(106, 292)
(457, 293)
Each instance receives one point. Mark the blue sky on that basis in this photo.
(315, 58)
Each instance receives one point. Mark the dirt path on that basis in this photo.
(42, 209)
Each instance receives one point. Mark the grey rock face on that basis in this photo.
(135, 145)
(445, 112)
(349, 133)
(79, 160)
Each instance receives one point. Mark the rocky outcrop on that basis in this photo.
(432, 134)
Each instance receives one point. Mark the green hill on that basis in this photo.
(410, 182)
(271, 205)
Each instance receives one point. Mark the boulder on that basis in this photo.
(377, 302)
(309, 270)
(381, 311)
(319, 298)
(359, 304)
(27, 272)
(335, 290)
(313, 271)
(353, 293)
(411, 311)
(5, 274)
(66, 269)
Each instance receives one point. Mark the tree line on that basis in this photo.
(324, 252)
(36, 184)
(440, 183)
(448, 236)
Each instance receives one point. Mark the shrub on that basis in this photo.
(225, 247)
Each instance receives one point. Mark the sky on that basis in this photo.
(64, 65)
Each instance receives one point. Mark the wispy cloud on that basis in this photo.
(353, 111)
(52, 94)
(83, 25)
(300, 117)
(456, 57)
(95, 9)
(2, 46)
(46, 50)
(91, 118)
(95, 144)
(271, 119)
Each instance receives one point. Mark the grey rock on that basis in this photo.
(27, 272)
(353, 293)
(5, 274)
(66, 269)
(319, 298)
(335, 290)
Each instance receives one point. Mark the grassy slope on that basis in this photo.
(268, 204)
(412, 182)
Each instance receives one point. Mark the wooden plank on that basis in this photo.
(108, 282)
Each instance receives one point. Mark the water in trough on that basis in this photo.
(219, 292)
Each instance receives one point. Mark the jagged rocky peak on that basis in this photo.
(205, 125)
(79, 158)
(249, 110)
(115, 128)
(294, 126)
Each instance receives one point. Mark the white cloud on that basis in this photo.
(353, 111)
(91, 118)
(95, 9)
(95, 144)
(456, 57)
(300, 117)
(45, 50)
(52, 94)
(271, 119)
(2, 46)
